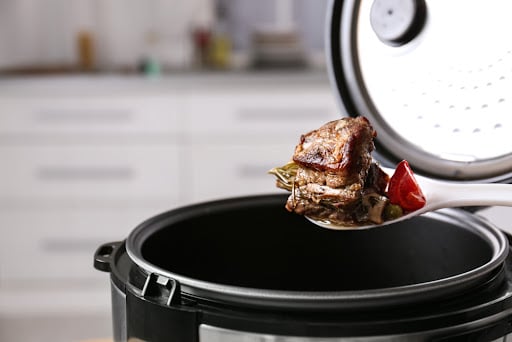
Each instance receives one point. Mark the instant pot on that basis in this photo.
(431, 77)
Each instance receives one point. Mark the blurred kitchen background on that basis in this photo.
(112, 111)
(158, 35)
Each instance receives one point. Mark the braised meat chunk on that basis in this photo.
(342, 147)
(332, 176)
(337, 154)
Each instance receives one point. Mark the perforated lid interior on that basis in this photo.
(442, 96)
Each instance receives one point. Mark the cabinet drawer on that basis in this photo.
(262, 113)
(233, 170)
(79, 172)
(89, 115)
(59, 244)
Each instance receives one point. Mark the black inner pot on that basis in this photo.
(261, 245)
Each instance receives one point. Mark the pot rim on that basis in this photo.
(320, 299)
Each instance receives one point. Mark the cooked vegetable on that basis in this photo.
(285, 175)
(403, 189)
(392, 211)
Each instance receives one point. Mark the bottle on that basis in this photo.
(85, 47)
(220, 44)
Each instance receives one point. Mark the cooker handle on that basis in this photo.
(162, 288)
(103, 255)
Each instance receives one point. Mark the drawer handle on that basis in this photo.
(84, 116)
(67, 173)
(282, 114)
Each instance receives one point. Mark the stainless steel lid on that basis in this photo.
(433, 77)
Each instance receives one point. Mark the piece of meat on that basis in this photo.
(333, 178)
(341, 148)
(333, 164)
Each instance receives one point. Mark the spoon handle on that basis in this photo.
(446, 195)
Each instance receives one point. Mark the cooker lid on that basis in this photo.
(433, 77)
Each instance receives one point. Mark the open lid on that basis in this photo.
(433, 77)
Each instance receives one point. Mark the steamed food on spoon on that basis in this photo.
(334, 181)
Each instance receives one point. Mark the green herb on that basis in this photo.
(285, 175)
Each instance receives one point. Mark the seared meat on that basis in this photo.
(332, 176)
(341, 148)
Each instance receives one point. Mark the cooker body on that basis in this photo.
(172, 324)
(246, 269)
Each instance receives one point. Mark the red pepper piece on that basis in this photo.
(403, 189)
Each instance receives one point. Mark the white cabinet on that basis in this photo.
(99, 114)
(55, 246)
(90, 173)
(236, 134)
(237, 169)
(84, 161)
(257, 112)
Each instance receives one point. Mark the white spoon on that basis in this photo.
(443, 194)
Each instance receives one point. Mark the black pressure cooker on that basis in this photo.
(432, 82)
